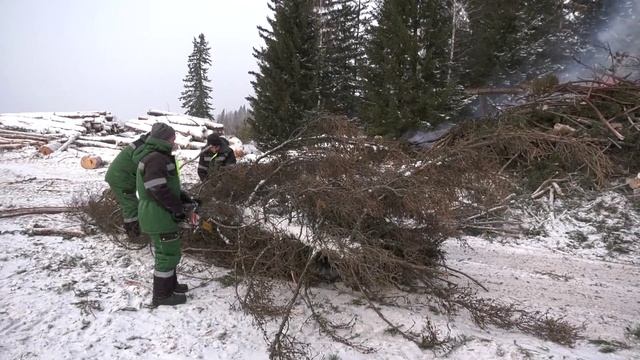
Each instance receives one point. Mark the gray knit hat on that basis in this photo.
(162, 131)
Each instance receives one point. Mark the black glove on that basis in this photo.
(179, 217)
(185, 198)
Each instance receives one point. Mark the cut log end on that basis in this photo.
(91, 162)
(634, 183)
(49, 148)
(238, 151)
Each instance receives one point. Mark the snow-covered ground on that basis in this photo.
(86, 298)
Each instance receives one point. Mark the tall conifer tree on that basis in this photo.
(407, 76)
(197, 92)
(342, 55)
(286, 83)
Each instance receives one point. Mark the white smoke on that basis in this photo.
(622, 33)
(618, 36)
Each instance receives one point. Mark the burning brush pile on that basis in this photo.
(583, 130)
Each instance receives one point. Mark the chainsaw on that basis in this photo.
(194, 221)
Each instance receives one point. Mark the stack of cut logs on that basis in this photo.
(61, 144)
(94, 121)
(191, 132)
(51, 132)
(55, 132)
(11, 139)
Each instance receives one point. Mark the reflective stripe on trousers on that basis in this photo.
(167, 251)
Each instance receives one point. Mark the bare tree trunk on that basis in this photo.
(69, 142)
(102, 144)
(12, 146)
(56, 232)
(11, 134)
(6, 213)
(454, 26)
(320, 21)
(495, 91)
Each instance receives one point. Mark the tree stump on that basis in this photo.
(91, 162)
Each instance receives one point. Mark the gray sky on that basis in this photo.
(124, 56)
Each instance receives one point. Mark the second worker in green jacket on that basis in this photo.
(160, 210)
(121, 177)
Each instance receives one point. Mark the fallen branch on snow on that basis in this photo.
(7, 213)
(55, 232)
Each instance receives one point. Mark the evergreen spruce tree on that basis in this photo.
(197, 92)
(407, 83)
(342, 56)
(286, 83)
(490, 50)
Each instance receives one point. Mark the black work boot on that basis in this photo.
(163, 292)
(177, 287)
(133, 229)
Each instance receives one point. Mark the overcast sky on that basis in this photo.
(123, 56)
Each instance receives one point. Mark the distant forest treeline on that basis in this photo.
(235, 122)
